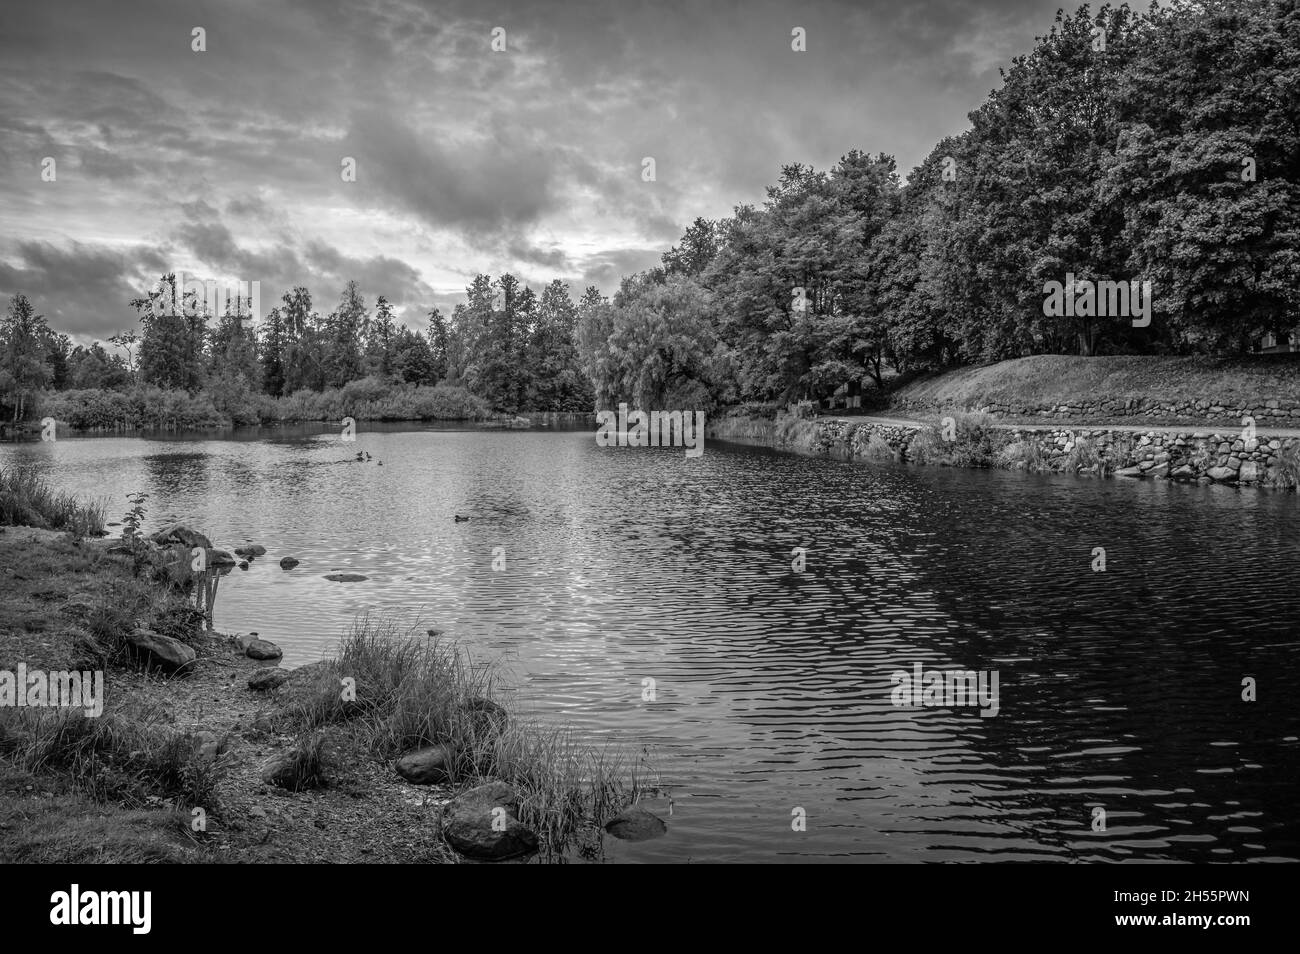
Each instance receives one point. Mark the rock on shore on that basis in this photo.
(483, 823)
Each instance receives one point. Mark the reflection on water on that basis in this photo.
(1119, 689)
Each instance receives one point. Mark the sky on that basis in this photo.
(228, 163)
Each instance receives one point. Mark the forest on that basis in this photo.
(1159, 147)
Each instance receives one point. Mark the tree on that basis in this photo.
(23, 342)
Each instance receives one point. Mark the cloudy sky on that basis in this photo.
(227, 163)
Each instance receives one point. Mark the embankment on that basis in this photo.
(1186, 454)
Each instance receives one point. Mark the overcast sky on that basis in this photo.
(227, 163)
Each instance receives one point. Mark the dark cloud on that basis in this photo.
(228, 161)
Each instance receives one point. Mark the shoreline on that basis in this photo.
(1260, 457)
(393, 749)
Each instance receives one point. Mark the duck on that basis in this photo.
(367, 455)
(460, 519)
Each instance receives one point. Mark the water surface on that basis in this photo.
(1118, 689)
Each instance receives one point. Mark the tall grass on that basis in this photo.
(1285, 472)
(27, 499)
(971, 440)
(132, 758)
(413, 691)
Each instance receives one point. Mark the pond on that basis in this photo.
(651, 599)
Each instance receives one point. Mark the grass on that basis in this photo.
(878, 449)
(27, 499)
(45, 821)
(1285, 473)
(1063, 379)
(793, 431)
(132, 758)
(412, 690)
(957, 440)
(1022, 455)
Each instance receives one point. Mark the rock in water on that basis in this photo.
(288, 563)
(266, 679)
(165, 651)
(220, 558)
(345, 577)
(636, 824)
(178, 533)
(483, 823)
(430, 765)
(261, 649)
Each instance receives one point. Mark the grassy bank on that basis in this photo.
(174, 767)
(1061, 380)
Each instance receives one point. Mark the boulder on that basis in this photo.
(345, 577)
(165, 651)
(207, 747)
(483, 823)
(1249, 472)
(266, 679)
(1129, 472)
(179, 533)
(220, 558)
(1221, 473)
(250, 551)
(431, 765)
(288, 563)
(261, 649)
(281, 772)
(636, 824)
(485, 716)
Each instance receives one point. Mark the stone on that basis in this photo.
(1129, 472)
(166, 651)
(252, 550)
(485, 716)
(483, 823)
(1249, 472)
(1234, 462)
(179, 533)
(266, 679)
(431, 765)
(345, 577)
(1221, 473)
(288, 563)
(1185, 472)
(207, 747)
(262, 649)
(1160, 470)
(636, 824)
(282, 773)
(220, 558)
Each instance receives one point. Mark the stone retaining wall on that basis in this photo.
(1205, 455)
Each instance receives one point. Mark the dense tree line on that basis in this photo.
(506, 345)
(1161, 147)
